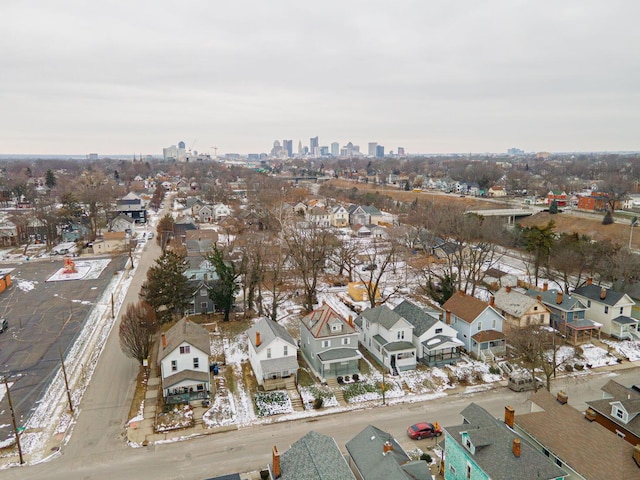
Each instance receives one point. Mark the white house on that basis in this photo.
(183, 355)
(339, 217)
(221, 211)
(272, 353)
(388, 337)
(611, 309)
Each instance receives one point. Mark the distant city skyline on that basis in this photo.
(431, 77)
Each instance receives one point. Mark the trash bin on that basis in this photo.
(215, 369)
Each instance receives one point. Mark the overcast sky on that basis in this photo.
(431, 76)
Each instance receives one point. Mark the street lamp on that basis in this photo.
(634, 222)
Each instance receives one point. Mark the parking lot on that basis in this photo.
(44, 318)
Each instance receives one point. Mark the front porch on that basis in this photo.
(488, 344)
(578, 331)
(441, 350)
(339, 362)
(275, 371)
(623, 328)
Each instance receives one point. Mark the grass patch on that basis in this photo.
(305, 379)
(230, 380)
(360, 388)
(272, 403)
(250, 382)
(139, 393)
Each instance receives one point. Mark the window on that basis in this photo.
(196, 363)
(268, 353)
(588, 303)
(452, 468)
(558, 462)
(545, 451)
(400, 335)
(438, 330)
(606, 309)
(286, 350)
(326, 343)
(468, 473)
(185, 349)
(479, 326)
(535, 309)
(619, 433)
(203, 292)
(336, 327)
(621, 309)
(495, 322)
(345, 341)
(174, 365)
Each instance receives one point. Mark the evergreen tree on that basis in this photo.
(167, 288)
(50, 179)
(608, 218)
(553, 208)
(223, 292)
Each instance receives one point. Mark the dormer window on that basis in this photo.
(617, 411)
(336, 327)
(466, 441)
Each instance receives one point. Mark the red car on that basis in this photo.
(424, 430)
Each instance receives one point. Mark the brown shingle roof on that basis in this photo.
(587, 447)
(488, 335)
(465, 307)
(318, 322)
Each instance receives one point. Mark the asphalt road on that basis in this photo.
(91, 457)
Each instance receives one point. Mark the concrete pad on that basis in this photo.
(153, 382)
(151, 394)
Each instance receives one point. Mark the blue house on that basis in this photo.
(568, 315)
(479, 325)
(484, 448)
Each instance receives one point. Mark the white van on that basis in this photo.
(520, 383)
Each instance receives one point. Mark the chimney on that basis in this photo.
(275, 462)
(258, 341)
(387, 447)
(508, 289)
(636, 455)
(448, 317)
(589, 281)
(559, 298)
(164, 340)
(492, 301)
(509, 416)
(603, 293)
(545, 286)
(516, 447)
(350, 320)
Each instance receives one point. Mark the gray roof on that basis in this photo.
(339, 353)
(269, 331)
(367, 452)
(550, 299)
(493, 442)
(397, 346)
(593, 292)
(416, 316)
(630, 400)
(441, 341)
(195, 375)
(624, 320)
(185, 331)
(513, 302)
(279, 364)
(314, 457)
(382, 315)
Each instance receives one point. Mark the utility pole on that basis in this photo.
(634, 222)
(66, 381)
(13, 419)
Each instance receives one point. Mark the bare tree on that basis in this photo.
(308, 250)
(378, 257)
(137, 328)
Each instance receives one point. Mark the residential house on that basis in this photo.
(221, 211)
(436, 342)
(360, 230)
(610, 309)
(313, 457)
(560, 432)
(329, 343)
(378, 232)
(200, 302)
(618, 411)
(497, 191)
(200, 242)
(364, 215)
(561, 198)
(272, 354)
(388, 337)
(76, 231)
(111, 242)
(374, 454)
(339, 216)
(205, 214)
(482, 448)
(200, 268)
(194, 204)
(519, 309)
(181, 226)
(568, 315)
(183, 355)
(479, 325)
(594, 202)
(121, 223)
(132, 206)
(319, 216)
(496, 278)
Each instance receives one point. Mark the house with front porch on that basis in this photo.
(610, 309)
(329, 343)
(272, 354)
(568, 315)
(479, 325)
(388, 337)
(183, 355)
(519, 309)
(436, 342)
(339, 217)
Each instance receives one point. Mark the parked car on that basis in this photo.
(4, 324)
(150, 236)
(521, 383)
(369, 268)
(424, 430)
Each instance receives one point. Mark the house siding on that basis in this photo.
(615, 428)
(458, 458)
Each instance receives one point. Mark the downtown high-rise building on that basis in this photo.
(335, 149)
(287, 146)
(313, 145)
(371, 151)
(379, 151)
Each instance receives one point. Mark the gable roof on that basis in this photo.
(185, 331)
(563, 431)
(593, 292)
(367, 452)
(515, 303)
(466, 307)
(319, 322)
(382, 315)
(493, 442)
(416, 316)
(314, 457)
(550, 299)
(269, 331)
(629, 400)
